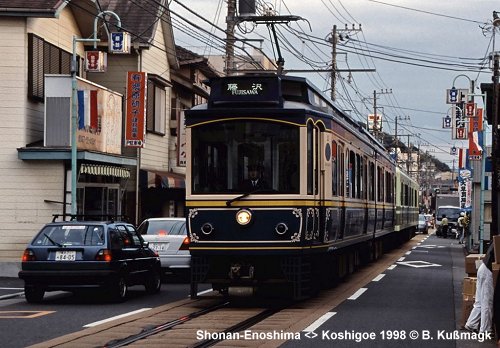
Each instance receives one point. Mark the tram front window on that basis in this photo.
(224, 154)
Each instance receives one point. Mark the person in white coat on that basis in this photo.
(481, 316)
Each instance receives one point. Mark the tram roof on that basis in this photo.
(269, 90)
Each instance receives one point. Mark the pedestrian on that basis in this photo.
(481, 316)
(461, 227)
(444, 226)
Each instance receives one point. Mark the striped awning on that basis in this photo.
(98, 169)
(165, 180)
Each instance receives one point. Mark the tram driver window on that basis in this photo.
(222, 151)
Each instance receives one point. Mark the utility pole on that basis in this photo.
(495, 188)
(334, 40)
(230, 37)
(376, 126)
(396, 139)
(333, 74)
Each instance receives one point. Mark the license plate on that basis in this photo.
(65, 255)
(158, 247)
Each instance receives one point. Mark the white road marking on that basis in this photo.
(318, 322)
(116, 317)
(204, 292)
(357, 294)
(419, 264)
(379, 277)
(391, 267)
(401, 259)
(408, 253)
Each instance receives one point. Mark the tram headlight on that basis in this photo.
(281, 228)
(243, 217)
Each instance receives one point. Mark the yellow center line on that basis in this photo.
(23, 314)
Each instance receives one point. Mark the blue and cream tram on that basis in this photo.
(329, 203)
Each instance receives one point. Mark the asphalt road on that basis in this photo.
(414, 303)
(23, 324)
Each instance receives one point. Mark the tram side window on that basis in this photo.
(359, 175)
(387, 187)
(351, 175)
(310, 158)
(380, 184)
(341, 170)
(371, 184)
(334, 169)
(365, 179)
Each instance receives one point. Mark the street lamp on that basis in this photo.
(495, 211)
(74, 120)
(74, 107)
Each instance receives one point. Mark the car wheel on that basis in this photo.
(119, 290)
(153, 282)
(33, 294)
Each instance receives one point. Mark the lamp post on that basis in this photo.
(74, 106)
(495, 211)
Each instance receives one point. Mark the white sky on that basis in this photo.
(424, 26)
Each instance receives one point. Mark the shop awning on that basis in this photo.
(98, 169)
(165, 180)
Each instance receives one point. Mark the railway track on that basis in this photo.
(198, 323)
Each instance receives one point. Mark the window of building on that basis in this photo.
(45, 58)
(156, 105)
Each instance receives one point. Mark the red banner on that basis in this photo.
(136, 106)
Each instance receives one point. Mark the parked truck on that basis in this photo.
(449, 205)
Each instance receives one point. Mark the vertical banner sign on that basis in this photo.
(465, 189)
(476, 123)
(459, 130)
(136, 105)
(181, 130)
(470, 109)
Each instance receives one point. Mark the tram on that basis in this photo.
(333, 198)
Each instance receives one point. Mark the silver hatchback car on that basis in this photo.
(168, 237)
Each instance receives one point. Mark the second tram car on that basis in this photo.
(332, 197)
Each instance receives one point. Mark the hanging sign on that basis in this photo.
(136, 106)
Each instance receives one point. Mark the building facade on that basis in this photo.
(37, 41)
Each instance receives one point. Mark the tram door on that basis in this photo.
(315, 181)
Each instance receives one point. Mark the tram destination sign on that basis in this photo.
(247, 89)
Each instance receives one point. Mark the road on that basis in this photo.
(409, 298)
(23, 324)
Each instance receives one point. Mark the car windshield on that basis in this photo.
(451, 213)
(70, 235)
(160, 227)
